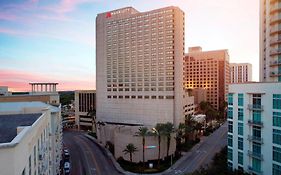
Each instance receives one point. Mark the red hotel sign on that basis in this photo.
(108, 15)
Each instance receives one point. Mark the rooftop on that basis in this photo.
(19, 106)
(9, 124)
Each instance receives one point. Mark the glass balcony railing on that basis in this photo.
(255, 107)
(275, 51)
(275, 74)
(274, 19)
(255, 155)
(254, 171)
(255, 123)
(275, 63)
(275, 7)
(275, 41)
(255, 139)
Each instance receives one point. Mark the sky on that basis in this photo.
(54, 40)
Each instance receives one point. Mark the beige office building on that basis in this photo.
(30, 139)
(270, 40)
(240, 72)
(140, 66)
(85, 102)
(208, 70)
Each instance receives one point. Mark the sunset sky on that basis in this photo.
(54, 40)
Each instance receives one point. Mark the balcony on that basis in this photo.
(275, 41)
(274, 19)
(255, 139)
(252, 170)
(255, 107)
(275, 63)
(275, 74)
(275, 51)
(255, 155)
(275, 8)
(255, 123)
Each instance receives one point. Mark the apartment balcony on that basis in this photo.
(275, 8)
(255, 123)
(252, 170)
(255, 155)
(275, 41)
(275, 63)
(275, 19)
(255, 107)
(275, 74)
(255, 139)
(275, 51)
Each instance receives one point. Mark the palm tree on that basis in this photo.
(168, 130)
(143, 132)
(130, 149)
(92, 113)
(189, 128)
(158, 130)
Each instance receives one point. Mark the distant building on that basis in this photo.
(208, 70)
(240, 72)
(140, 67)
(254, 128)
(30, 139)
(44, 92)
(85, 102)
(4, 91)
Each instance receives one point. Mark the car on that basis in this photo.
(66, 168)
(66, 154)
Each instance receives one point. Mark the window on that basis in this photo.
(230, 126)
(229, 154)
(240, 128)
(276, 101)
(229, 166)
(257, 116)
(230, 140)
(240, 100)
(257, 131)
(240, 114)
(230, 99)
(277, 119)
(256, 165)
(276, 154)
(240, 143)
(257, 100)
(276, 169)
(240, 158)
(257, 148)
(277, 136)
(29, 164)
(230, 113)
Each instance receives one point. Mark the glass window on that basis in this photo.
(230, 126)
(256, 148)
(257, 131)
(277, 119)
(256, 163)
(229, 140)
(240, 100)
(277, 136)
(230, 113)
(229, 166)
(276, 169)
(240, 114)
(276, 154)
(276, 101)
(240, 143)
(230, 99)
(257, 100)
(229, 154)
(240, 158)
(257, 116)
(240, 128)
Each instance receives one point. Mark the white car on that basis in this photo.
(66, 168)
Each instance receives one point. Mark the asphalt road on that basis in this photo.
(86, 158)
(203, 153)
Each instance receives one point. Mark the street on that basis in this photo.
(202, 153)
(86, 158)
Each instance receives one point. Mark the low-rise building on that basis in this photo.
(254, 128)
(30, 139)
(240, 72)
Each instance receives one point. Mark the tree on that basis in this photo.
(143, 132)
(130, 149)
(158, 130)
(168, 130)
(189, 127)
(92, 113)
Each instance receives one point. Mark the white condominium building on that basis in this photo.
(254, 128)
(140, 66)
(240, 72)
(30, 139)
(270, 40)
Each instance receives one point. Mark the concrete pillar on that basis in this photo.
(45, 87)
(41, 88)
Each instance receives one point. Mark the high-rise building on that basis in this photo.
(85, 104)
(270, 40)
(254, 128)
(139, 62)
(30, 139)
(208, 70)
(240, 72)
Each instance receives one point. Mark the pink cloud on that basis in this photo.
(19, 81)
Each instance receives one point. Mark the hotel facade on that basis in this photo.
(140, 67)
(270, 40)
(254, 128)
(240, 72)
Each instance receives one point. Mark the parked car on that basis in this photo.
(66, 154)
(66, 168)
